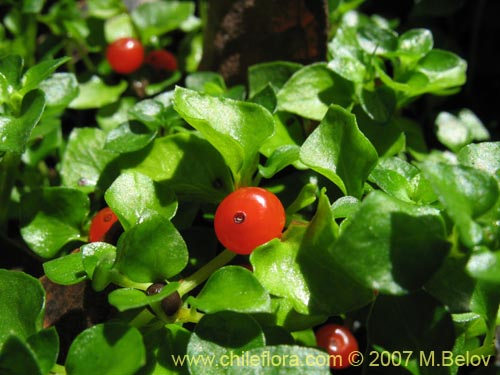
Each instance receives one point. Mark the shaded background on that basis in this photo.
(471, 29)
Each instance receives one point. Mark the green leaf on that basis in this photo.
(270, 74)
(236, 129)
(484, 264)
(266, 98)
(303, 269)
(415, 44)
(60, 89)
(153, 113)
(113, 115)
(382, 248)
(349, 68)
(22, 305)
(128, 137)
(483, 156)
(104, 8)
(288, 131)
(84, 159)
(119, 26)
(128, 298)
(163, 347)
(340, 152)
(45, 345)
(443, 69)
(394, 176)
(96, 94)
(11, 67)
(15, 131)
(187, 164)
(283, 360)
(218, 335)
(134, 196)
(38, 73)
(281, 158)
(375, 40)
(232, 288)
(157, 18)
(96, 253)
(452, 285)
(51, 217)
(206, 82)
(109, 348)
(65, 270)
(379, 104)
(311, 90)
(152, 250)
(16, 358)
(458, 131)
(465, 193)
(416, 323)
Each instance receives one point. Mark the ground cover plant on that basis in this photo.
(250, 229)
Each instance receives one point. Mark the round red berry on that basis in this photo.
(247, 218)
(125, 55)
(162, 60)
(340, 344)
(101, 224)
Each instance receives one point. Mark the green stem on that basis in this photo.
(125, 282)
(58, 370)
(8, 172)
(197, 278)
(143, 318)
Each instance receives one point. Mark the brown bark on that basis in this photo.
(240, 33)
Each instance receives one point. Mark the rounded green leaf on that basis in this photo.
(65, 270)
(17, 358)
(130, 298)
(152, 250)
(218, 335)
(107, 349)
(236, 129)
(484, 264)
(22, 302)
(339, 150)
(96, 253)
(45, 345)
(84, 159)
(375, 40)
(128, 137)
(60, 89)
(415, 43)
(232, 288)
(95, 94)
(303, 268)
(51, 217)
(312, 89)
(465, 192)
(156, 18)
(484, 156)
(267, 74)
(443, 69)
(15, 131)
(186, 163)
(390, 245)
(134, 196)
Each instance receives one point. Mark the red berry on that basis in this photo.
(125, 55)
(162, 60)
(101, 224)
(339, 342)
(247, 218)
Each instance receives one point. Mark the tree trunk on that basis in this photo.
(240, 33)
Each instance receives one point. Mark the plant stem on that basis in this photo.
(191, 282)
(58, 370)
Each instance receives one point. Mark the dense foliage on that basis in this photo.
(395, 240)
